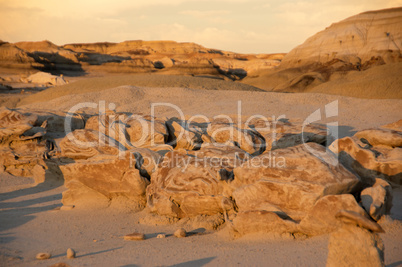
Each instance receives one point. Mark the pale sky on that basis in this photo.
(245, 26)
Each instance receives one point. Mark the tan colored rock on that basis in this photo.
(262, 221)
(321, 218)
(144, 131)
(161, 236)
(396, 126)
(109, 176)
(281, 178)
(377, 200)
(112, 125)
(183, 135)
(377, 137)
(180, 233)
(186, 186)
(283, 134)
(13, 124)
(228, 133)
(70, 253)
(354, 218)
(225, 156)
(369, 162)
(355, 246)
(43, 256)
(134, 236)
(46, 78)
(84, 144)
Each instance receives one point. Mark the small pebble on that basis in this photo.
(161, 236)
(43, 256)
(67, 207)
(70, 253)
(134, 236)
(180, 233)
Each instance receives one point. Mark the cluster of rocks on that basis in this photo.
(263, 176)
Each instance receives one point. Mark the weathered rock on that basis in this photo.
(161, 236)
(354, 218)
(145, 131)
(184, 135)
(43, 256)
(254, 221)
(46, 78)
(180, 233)
(109, 176)
(369, 162)
(221, 155)
(84, 144)
(186, 186)
(285, 133)
(377, 200)
(112, 125)
(70, 253)
(13, 124)
(355, 246)
(211, 222)
(396, 126)
(321, 218)
(134, 236)
(282, 178)
(228, 133)
(377, 137)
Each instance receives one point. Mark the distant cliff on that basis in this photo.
(134, 56)
(359, 56)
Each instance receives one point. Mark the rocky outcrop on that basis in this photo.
(106, 176)
(372, 154)
(377, 200)
(280, 179)
(357, 243)
(186, 186)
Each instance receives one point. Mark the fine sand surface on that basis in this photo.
(29, 223)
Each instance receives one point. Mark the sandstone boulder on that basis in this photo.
(321, 218)
(84, 144)
(187, 186)
(255, 221)
(377, 200)
(291, 179)
(228, 133)
(46, 78)
(285, 133)
(144, 131)
(108, 176)
(184, 135)
(355, 246)
(376, 137)
(369, 162)
(13, 124)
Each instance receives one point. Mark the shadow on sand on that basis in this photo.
(29, 201)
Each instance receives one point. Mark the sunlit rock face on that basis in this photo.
(374, 153)
(369, 36)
